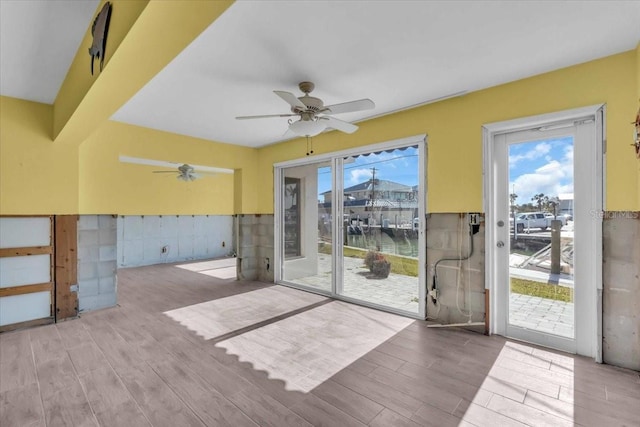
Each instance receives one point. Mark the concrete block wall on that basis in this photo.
(460, 288)
(141, 238)
(255, 247)
(621, 289)
(97, 281)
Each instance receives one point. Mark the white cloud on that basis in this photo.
(359, 175)
(551, 179)
(539, 150)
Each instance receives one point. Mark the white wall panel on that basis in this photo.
(22, 308)
(151, 226)
(133, 252)
(133, 227)
(185, 245)
(187, 237)
(200, 246)
(199, 224)
(24, 270)
(25, 232)
(186, 225)
(168, 226)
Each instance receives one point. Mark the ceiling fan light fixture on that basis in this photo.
(307, 127)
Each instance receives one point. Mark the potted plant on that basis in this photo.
(377, 264)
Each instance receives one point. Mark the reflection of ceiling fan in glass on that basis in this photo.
(314, 116)
(185, 172)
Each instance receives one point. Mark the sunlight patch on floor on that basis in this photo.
(221, 273)
(214, 318)
(528, 385)
(208, 264)
(307, 349)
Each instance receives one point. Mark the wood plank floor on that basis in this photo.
(305, 361)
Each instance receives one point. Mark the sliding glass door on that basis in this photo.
(351, 225)
(380, 249)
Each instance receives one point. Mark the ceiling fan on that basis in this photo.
(314, 116)
(185, 172)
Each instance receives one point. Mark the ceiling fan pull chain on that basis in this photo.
(309, 144)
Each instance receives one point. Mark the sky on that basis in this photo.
(544, 166)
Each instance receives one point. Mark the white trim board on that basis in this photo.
(548, 121)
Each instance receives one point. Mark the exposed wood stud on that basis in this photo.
(66, 265)
(27, 324)
(33, 250)
(25, 289)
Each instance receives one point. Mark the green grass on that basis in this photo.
(399, 264)
(541, 289)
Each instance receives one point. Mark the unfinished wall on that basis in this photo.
(97, 282)
(460, 285)
(141, 238)
(621, 293)
(255, 247)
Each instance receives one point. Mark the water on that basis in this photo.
(389, 240)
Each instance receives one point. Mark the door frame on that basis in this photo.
(335, 159)
(590, 344)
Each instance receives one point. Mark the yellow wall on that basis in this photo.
(109, 186)
(454, 128)
(40, 176)
(638, 69)
(638, 99)
(36, 176)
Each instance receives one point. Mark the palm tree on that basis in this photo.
(540, 199)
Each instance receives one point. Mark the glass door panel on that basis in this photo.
(381, 229)
(541, 250)
(306, 227)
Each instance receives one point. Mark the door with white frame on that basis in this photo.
(544, 247)
(347, 225)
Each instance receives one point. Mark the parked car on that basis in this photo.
(528, 220)
(551, 217)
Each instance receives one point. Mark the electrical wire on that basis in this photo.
(434, 286)
(460, 275)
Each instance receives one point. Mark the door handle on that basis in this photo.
(500, 244)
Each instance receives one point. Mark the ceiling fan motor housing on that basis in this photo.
(313, 104)
(185, 169)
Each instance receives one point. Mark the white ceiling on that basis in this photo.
(38, 41)
(398, 53)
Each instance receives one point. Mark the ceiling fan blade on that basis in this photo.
(290, 99)
(264, 116)
(163, 171)
(349, 107)
(340, 125)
